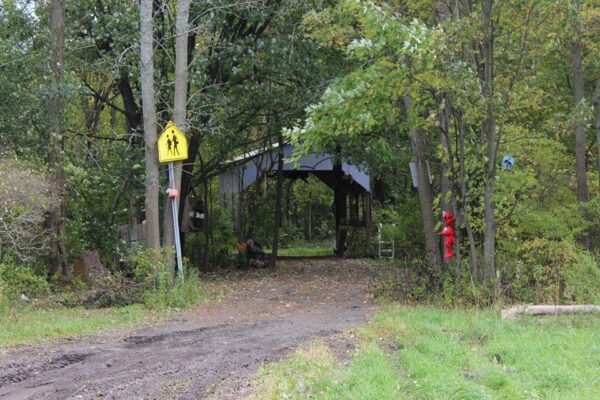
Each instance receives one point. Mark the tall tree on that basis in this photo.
(149, 113)
(432, 248)
(179, 101)
(58, 252)
(489, 131)
(597, 124)
(447, 202)
(578, 98)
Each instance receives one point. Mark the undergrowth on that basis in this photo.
(163, 288)
(567, 278)
(31, 311)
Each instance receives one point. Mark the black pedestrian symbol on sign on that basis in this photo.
(169, 144)
(176, 143)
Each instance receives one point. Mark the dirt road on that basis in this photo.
(210, 352)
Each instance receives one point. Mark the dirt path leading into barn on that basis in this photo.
(211, 352)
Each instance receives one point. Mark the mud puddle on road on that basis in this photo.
(212, 351)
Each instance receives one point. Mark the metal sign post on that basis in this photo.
(172, 146)
(174, 209)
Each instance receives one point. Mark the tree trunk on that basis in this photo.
(442, 14)
(578, 92)
(594, 236)
(278, 196)
(309, 220)
(449, 195)
(149, 117)
(447, 202)
(58, 261)
(489, 130)
(207, 224)
(186, 181)
(464, 199)
(179, 103)
(133, 117)
(251, 205)
(580, 149)
(425, 197)
(597, 127)
(287, 215)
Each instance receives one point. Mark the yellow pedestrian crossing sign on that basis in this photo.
(172, 144)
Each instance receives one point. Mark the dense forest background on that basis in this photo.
(459, 87)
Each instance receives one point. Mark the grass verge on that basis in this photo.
(43, 320)
(35, 325)
(429, 353)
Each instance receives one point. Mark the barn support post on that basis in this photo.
(367, 204)
(340, 209)
(341, 229)
(278, 203)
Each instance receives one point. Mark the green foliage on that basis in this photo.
(162, 288)
(26, 196)
(17, 279)
(93, 204)
(406, 280)
(314, 196)
(306, 212)
(400, 222)
(23, 82)
(545, 271)
(554, 272)
(222, 238)
(591, 210)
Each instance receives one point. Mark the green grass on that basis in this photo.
(428, 353)
(30, 326)
(312, 372)
(304, 251)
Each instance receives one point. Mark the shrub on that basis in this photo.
(550, 271)
(17, 279)
(23, 208)
(155, 270)
(407, 281)
(401, 223)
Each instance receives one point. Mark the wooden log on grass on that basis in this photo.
(513, 312)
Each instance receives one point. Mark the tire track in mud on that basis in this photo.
(14, 373)
(213, 351)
